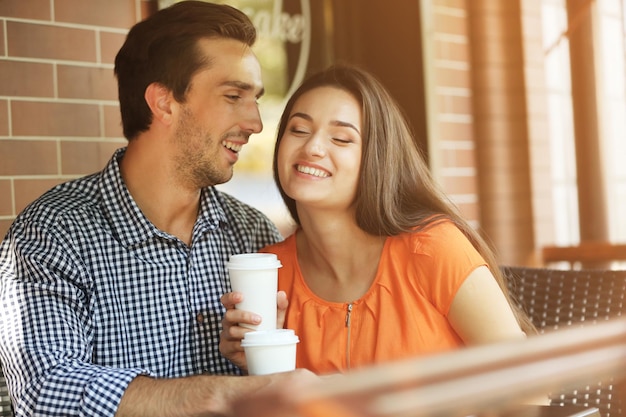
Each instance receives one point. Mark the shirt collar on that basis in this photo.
(128, 221)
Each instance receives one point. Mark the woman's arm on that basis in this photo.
(480, 313)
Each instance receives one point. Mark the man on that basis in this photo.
(110, 285)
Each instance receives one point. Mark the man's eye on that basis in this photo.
(235, 97)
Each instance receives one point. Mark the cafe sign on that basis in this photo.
(283, 41)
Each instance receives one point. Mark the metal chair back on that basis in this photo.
(555, 299)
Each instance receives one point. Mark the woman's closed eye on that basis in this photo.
(343, 141)
(298, 131)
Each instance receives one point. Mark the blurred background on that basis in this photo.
(518, 105)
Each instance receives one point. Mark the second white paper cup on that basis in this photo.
(255, 275)
(270, 351)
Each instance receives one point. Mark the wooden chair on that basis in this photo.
(555, 299)
(5, 402)
(586, 255)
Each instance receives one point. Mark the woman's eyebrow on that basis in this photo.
(332, 122)
(345, 124)
(302, 116)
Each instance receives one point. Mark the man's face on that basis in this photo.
(219, 114)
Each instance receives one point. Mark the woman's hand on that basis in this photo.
(232, 333)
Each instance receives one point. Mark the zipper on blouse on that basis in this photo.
(349, 312)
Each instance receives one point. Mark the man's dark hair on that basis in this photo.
(164, 49)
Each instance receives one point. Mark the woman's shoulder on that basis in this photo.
(438, 259)
(284, 247)
(441, 235)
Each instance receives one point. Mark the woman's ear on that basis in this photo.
(159, 100)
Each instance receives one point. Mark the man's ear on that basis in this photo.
(159, 100)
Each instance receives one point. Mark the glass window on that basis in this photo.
(611, 87)
(561, 129)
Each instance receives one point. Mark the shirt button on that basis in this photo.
(200, 318)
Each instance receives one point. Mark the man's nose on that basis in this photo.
(252, 122)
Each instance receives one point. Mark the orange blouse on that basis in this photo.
(403, 314)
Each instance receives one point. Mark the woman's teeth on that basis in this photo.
(312, 171)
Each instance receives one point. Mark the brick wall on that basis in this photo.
(451, 139)
(488, 135)
(59, 117)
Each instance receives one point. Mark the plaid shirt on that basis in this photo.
(92, 294)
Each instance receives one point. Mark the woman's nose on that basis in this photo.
(315, 146)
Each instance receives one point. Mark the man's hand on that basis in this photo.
(233, 333)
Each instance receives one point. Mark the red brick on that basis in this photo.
(110, 44)
(455, 131)
(28, 79)
(6, 199)
(457, 4)
(451, 51)
(55, 119)
(50, 42)
(81, 158)
(29, 9)
(459, 185)
(25, 157)
(86, 82)
(449, 77)
(112, 122)
(454, 104)
(118, 13)
(470, 211)
(2, 30)
(450, 24)
(4, 118)
(4, 227)
(458, 158)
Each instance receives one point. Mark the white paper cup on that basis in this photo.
(270, 351)
(255, 275)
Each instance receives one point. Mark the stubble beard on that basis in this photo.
(197, 153)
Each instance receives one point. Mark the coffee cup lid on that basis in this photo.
(269, 337)
(253, 261)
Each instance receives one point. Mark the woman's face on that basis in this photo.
(319, 156)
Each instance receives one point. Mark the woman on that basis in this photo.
(381, 266)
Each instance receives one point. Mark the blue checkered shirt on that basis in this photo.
(92, 294)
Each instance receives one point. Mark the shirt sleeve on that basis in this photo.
(445, 259)
(47, 330)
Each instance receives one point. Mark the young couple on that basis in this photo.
(110, 284)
